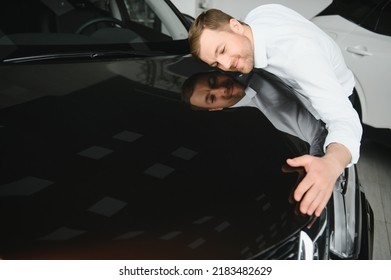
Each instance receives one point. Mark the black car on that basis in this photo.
(100, 158)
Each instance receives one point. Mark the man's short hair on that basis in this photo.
(213, 19)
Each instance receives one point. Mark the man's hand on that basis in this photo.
(315, 190)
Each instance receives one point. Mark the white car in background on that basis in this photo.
(362, 29)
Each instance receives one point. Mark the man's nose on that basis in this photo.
(224, 63)
(220, 92)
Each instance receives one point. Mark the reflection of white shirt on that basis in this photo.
(283, 109)
(293, 48)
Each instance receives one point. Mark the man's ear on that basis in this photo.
(236, 26)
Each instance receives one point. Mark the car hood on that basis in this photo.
(102, 160)
(307, 8)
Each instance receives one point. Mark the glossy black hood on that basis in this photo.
(102, 160)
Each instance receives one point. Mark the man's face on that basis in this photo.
(228, 50)
(216, 91)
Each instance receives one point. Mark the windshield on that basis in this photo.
(40, 27)
(373, 15)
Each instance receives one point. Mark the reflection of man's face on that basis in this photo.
(216, 91)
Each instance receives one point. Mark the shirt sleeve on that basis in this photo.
(315, 76)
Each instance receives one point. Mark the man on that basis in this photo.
(284, 43)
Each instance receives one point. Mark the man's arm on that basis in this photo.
(315, 190)
(327, 89)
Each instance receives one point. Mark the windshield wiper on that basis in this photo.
(88, 55)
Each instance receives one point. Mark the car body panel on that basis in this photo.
(307, 8)
(126, 143)
(372, 85)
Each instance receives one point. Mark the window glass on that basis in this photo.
(88, 22)
(156, 18)
(383, 26)
(370, 14)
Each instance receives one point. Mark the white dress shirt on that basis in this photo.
(293, 48)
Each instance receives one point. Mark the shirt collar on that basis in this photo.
(260, 58)
(246, 100)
